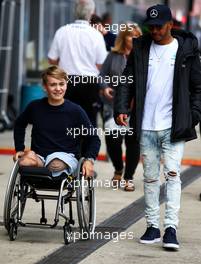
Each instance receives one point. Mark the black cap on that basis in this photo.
(158, 15)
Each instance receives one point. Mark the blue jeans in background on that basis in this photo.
(154, 144)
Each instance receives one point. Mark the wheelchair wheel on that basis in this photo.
(13, 230)
(15, 196)
(67, 234)
(86, 203)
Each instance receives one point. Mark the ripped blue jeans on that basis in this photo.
(154, 144)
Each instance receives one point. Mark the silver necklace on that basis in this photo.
(161, 55)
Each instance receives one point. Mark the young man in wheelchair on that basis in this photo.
(57, 126)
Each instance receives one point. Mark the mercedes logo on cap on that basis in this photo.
(153, 13)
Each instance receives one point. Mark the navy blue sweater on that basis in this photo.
(56, 128)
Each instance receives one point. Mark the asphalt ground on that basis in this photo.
(36, 245)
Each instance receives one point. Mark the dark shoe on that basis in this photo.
(129, 186)
(170, 239)
(152, 235)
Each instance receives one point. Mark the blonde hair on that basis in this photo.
(55, 72)
(125, 32)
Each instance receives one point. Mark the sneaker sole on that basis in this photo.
(156, 240)
(170, 246)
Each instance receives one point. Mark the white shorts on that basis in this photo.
(67, 158)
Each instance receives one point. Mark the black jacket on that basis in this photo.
(186, 108)
(59, 128)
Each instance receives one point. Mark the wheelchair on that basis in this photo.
(28, 183)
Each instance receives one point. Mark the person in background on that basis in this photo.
(80, 50)
(96, 22)
(109, 37)
(113, 68)
(167, 107)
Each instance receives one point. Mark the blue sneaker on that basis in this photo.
(170, 239)
(152, 235)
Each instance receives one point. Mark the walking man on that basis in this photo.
(80, 50)
(166, 70)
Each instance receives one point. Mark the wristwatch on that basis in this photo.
(90, 159)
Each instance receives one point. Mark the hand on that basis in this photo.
(88, 168)
(108, 93)
(18, 155)
(121, 120)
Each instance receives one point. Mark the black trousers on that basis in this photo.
(114, 149)
(83, 90)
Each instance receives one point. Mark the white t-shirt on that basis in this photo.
(79, 47)
(159, 91)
